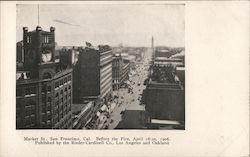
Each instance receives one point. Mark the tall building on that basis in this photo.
(68, 56)
(125, 70)
(116, 71)
(120, 71)
(43, 87)
(93, 74)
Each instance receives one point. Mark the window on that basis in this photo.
(28, 39)
(61, 82)
(43, 88)
(43, 98)
(61, 92)
(47, 76)
(49, 99)
(65, 90)
(43, 108)
(27, 111)
(27, 91)
(27, 121)
(49, 88)
(33, 90)
(56, 84)
(45, 39)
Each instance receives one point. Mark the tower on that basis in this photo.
(45, 88)
(39, 49)
(152, 42)
(152, 45)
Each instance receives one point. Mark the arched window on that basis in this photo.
(49, 99)
(49, 88)
(47, 76)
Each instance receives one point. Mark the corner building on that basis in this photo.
(120, 71)
(43, 86)
(93, 74)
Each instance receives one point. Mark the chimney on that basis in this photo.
(52, 29)
(38, 28)
(25, 29)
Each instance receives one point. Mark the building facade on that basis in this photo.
(93, 74)
(125, 70)
(165, 96)
(68, 56)
(116, 71)
(120, 71)
(43, 87)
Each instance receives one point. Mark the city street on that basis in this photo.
(130, 101)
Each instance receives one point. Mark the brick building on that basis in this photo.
(43, 86)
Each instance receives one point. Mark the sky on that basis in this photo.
(112, 24)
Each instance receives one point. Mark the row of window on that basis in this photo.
(46, 39)
(45, 87)
(65, 90)
(61, 113)
(66, 123)
(63, 81)
(28, 39)
(29, 121)
(28, 91)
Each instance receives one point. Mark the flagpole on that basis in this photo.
(38, 14)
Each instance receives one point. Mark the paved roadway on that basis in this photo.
(128, 101)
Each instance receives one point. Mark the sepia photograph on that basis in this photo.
(100, 66)
(124, 78)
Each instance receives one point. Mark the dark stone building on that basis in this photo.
(165, 96)
(43, 86)
(68, 56)
(93, 74)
